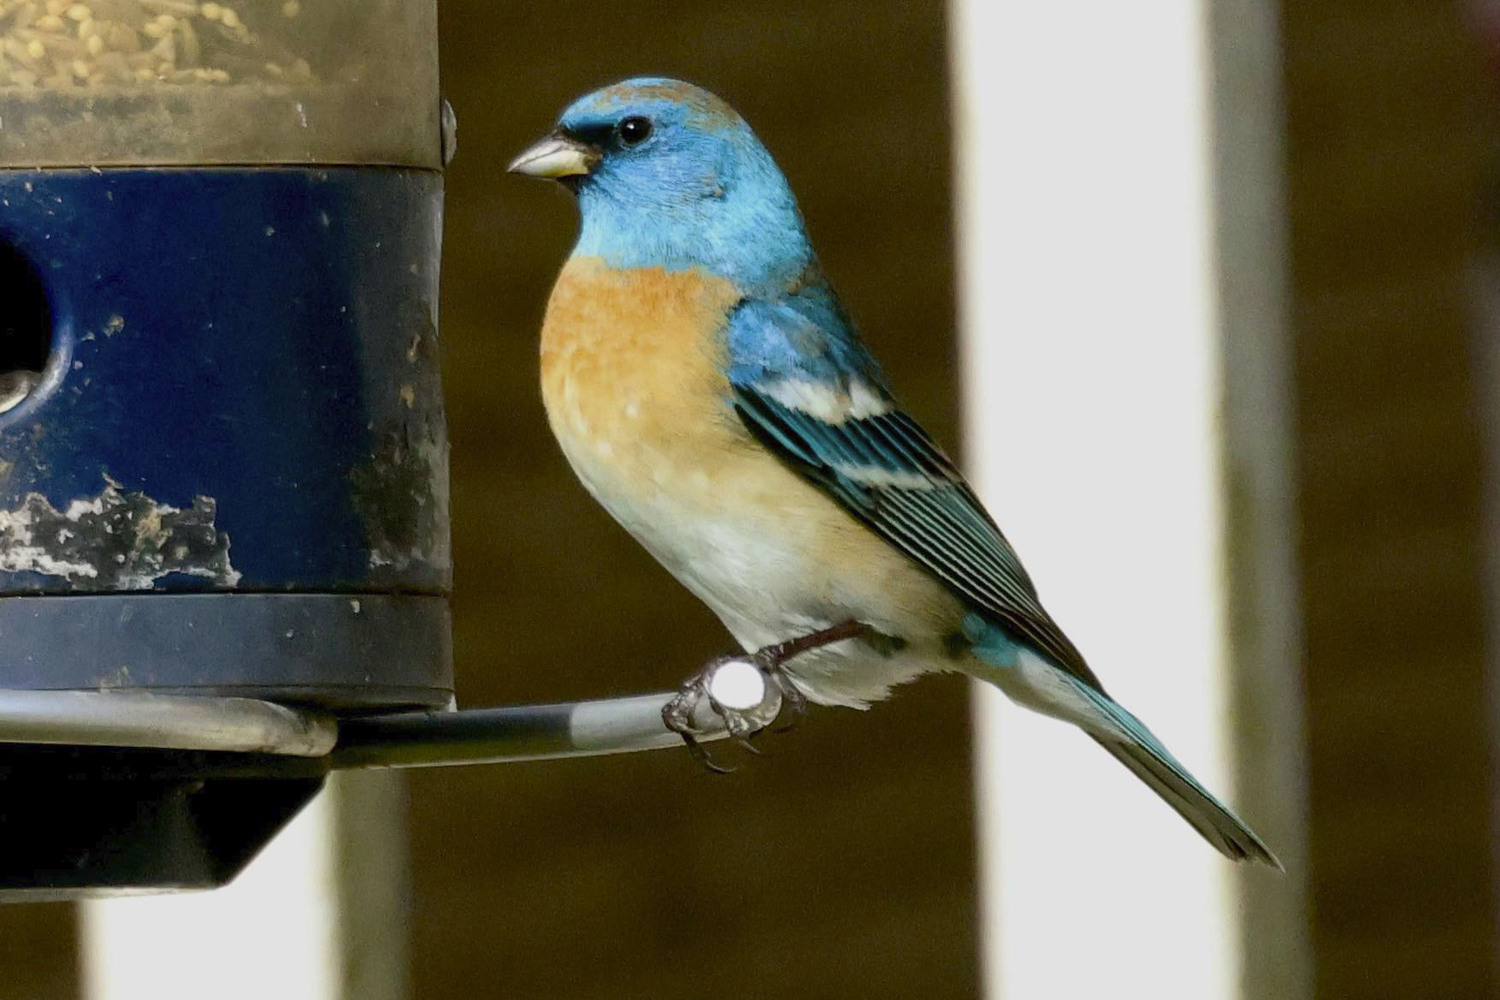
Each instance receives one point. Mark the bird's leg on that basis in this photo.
(772, 657)
(772, 660)
(677, 714)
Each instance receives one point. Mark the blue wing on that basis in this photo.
(810, 392)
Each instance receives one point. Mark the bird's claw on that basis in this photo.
(700, 753)
(742, 725)
(749, 716)
(677, 716)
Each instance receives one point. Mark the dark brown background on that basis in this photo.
(842, 865)
(1390, 133)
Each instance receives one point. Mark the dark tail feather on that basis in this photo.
(1160, 771)
(1126, 738)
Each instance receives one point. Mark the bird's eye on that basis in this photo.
(634, 131)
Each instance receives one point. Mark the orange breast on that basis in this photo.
(632, 367)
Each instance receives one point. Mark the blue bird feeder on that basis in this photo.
(224, 535)
(223, 461)
(223, 457)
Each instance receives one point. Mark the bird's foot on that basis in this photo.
(740, 694)
(747, 693)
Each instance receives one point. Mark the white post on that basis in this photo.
(319, 915)
(1265, 622)
(1091, 332)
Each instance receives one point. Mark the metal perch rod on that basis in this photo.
(414, 739)
(168, 722)
(522, 732)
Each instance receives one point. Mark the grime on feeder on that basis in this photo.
(87, 82)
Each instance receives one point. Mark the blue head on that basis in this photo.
(668, 175)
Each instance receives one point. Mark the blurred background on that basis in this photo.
(845, 862)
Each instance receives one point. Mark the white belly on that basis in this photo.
(757, 568)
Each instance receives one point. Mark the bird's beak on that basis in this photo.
(555, 157)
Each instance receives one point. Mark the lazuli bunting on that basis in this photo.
(710, 391)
